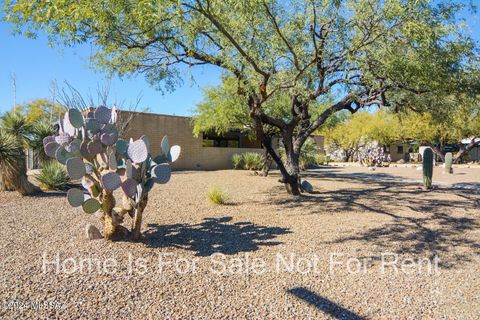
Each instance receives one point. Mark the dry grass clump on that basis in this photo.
(217, 196)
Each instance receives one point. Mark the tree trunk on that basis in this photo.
(293, 169)
(289, 176)
(438, 151)
(465, 150)
(268, 164)
(137, 218)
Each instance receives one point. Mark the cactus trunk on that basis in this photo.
(427, 168)
(448, 163)
(137, 218)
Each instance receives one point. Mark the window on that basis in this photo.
(399, 149)
(210, 140)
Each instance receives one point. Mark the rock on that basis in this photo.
(92, 232)
(306, 186)
(401, 161)
(372, 169)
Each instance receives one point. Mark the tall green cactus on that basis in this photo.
(427, 168)
(89, 145)
(449, 162)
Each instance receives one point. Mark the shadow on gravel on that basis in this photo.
(323, 304)
(423, 223)
(50, 194)
(213, 235)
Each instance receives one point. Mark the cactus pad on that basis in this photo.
(76, 168)
(147, 142)
(112, 161)
(137, 151)
(73, 146)
(174, 153)
(62, 155)
(122, 146)
(165, 145)
(129, 187)
(111, 181)
(91, 205)
(75, 118)
(75, 197)
(161, 173)
(94, 147)
(63, 139)
(92, 125)
(48, 139)
(129, 169)
(108, 139)
(103, 114)
(149, 184)
(51, 149)
(68, 128)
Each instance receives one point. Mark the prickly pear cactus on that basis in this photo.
(88, 144)
(427, 168)
(449, 162)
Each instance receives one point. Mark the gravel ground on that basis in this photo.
(364, 245)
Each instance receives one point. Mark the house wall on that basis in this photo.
(179, 131)
(320, 142)
(474, 154)
(393, 150)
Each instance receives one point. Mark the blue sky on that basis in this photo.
(35, 65)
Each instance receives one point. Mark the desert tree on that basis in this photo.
(353, 52)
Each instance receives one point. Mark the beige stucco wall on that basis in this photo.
(179, 131)
(393, 148)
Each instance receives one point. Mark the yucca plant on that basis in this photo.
(13, 169)
(17, 125)
(39, 131)
(53, 176)
(237, 161)
(252, 161)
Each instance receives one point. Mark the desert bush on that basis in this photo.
(321, 159)
(217, 196)
(53, 176)
(237, 161)
(40, 130)
(252, 161)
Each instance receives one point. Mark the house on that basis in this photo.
(206, 152)
(474, 154)
(209, 151)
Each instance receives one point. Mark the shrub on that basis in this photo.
(217, 196)
(13, 170)
(321, 159)
(237, 161)
(53, 176)
(252, 161)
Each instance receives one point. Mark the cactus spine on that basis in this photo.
(449, 162)
(427, 168)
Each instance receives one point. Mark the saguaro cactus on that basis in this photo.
(449, 162)
(427, 168)
(88, 144)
